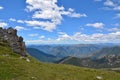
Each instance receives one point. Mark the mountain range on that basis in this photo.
(105, 58)
(76, 50)
(107, 51)
(16, 66)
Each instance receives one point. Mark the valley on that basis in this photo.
(108, 56)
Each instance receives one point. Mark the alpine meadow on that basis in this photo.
(60, 40)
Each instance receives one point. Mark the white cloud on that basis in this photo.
(77, 15)
(1, 8)
(114, 29)
(93, 38)
(34, 41)
(95, 25)
(116, 24)
(40, 41)
(72, 13)
(20, 28)
(112, 4)
(36, 27)
(50, 12)
(3, 24)
(20, 21)
(109, 3)
(64, 38)
(12, 19)
(117, 8)
(33, 35)
(41, 37)
(117, 15)
(45, 25)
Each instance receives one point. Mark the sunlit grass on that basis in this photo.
(12, 67)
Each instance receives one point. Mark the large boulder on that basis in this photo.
(16, 43)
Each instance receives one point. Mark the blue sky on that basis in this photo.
(63, 21)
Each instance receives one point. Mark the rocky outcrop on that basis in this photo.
(16, 43)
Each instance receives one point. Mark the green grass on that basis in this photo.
(12, 67)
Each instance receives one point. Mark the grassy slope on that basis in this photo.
(14, 68)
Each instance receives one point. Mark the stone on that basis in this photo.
(99, 77)
(12, 31)
(15, 42)
(27, 59)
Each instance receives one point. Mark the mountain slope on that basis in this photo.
(108, 57)
(107, 52)
(41, 55)
(78, 50)
(15, 67)
(105, 62)
(82, 62)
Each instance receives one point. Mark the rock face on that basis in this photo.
(16, 43)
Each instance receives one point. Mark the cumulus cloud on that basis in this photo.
(109, 3)
(1, 8)
(20, 21)
(41, 41)
(12, 19)
(117, 8)
(117, 15)
(114, 29)
(63, 36)
(49, 12)
(112, 4)
(41, 37)
(34, 41)
(3, 24)
(81, 38)
(116, 24)
(45, 25)
(93, 38)
(95, 25)
(72, 13)
(20, 28)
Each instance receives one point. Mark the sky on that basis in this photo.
(63, 21)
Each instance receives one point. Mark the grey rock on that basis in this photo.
(15, 42)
